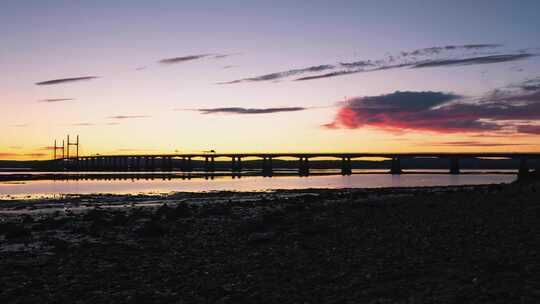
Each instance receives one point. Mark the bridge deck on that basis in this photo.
(339, 155)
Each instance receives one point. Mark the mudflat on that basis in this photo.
(473, 244)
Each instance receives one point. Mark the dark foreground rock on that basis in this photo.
(454, 245)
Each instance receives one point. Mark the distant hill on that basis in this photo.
(19, 165)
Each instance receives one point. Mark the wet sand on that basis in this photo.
(466, 244)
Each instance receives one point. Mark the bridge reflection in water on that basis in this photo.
(207, 162)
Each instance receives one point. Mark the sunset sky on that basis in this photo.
(246, 76)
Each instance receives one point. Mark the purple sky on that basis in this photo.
(246, 75)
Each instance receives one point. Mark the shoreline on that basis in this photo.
(165, 195)
(472, 244)
(175, 195)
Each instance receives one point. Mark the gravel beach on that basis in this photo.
(474, 244)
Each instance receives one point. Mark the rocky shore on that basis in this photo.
(474, 244)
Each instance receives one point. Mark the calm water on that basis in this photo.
(255, 183)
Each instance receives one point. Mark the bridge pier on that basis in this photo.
(346, 168)
(146, 165)
(267, 168)
(236, 165)
(120, 163)
(454, 165)
(303, 166)
(209, 164)
(523, 168)
(239, 165)
(170, 163)
(187, 165)
(135, 163)
(163, 163)
(396, 166)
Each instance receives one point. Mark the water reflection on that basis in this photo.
(245, 183)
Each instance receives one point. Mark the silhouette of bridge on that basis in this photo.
(184, 162)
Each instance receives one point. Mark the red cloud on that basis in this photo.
(440, 112)
(530, 129)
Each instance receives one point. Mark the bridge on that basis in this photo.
(183, 161)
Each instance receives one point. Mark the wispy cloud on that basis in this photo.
(473, 144)
(529, 85)
(21, 125)
(8, 154)
(220, 56)
(129, 116)
(473, 60)
(445, 56)
(66, 80)
(52, 100)
(35, 154)
(49, 148)
(239, 110)
(19, 155)
(134, 150)
(82, 124)
(279, 75)
(529, 129)
(187, 58)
